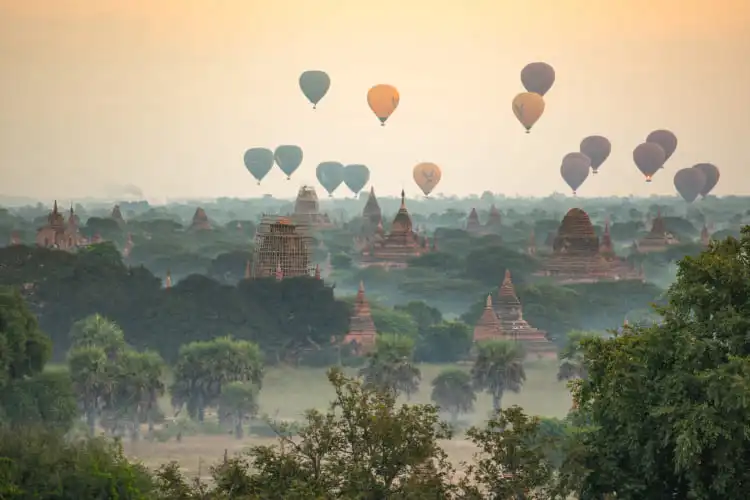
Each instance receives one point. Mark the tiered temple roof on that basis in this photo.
(371, 214)
(282, 247)
(362, 332)
(307, 208)
(576, 256)
(397, 247)
(510, 313)
(488, 327)
(472, 222)
(200, 221)
(494, 219)
(59, 233)
(658, 239)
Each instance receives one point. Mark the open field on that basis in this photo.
(288, 392)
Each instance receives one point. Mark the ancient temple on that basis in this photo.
(117, 215)
(282, 248)
(488, 327)
(494, 219)
(576, 255)
(307, 209)
(606, 248)
(510, 314)
(472, 222)
(59, 233)
(394, 249)
(658, 239)
(371, 214)
(362, 333)
(200, 221)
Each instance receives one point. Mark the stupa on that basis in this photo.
(117, 215)
(397, 247)
(362, 333)
(510, 313)
(606, 248)
(488, 327)
(576, 256)
(371, 214)
(282, 248)
(307, 208)
(658, 239)
(494, 219)
(200, 221)
(472, 222)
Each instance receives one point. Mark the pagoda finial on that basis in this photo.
(361, 287)
(54, 207)
(488, 304)
(403, 198)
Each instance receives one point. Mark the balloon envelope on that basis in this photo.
(538, 77)
(597, 148)
(575, 169)
(666, 139)
(288, 158)
(427, 176)
(383, 101)
(330, 175)
(259, 162)
(712, 174)
(356, 177)
(649, 157)
(689, 182)
(528, 108)
(314, 85)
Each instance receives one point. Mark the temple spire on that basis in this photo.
(403, 200)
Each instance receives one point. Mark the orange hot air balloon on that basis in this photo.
(383, 101)
(528, 108)
(427, 176)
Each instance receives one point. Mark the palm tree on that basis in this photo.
(239, 401)
(98, 331)
(390, 367)
(498, 368)
(91, 378)
(452, 391)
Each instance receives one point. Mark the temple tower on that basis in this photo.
(362, 333)
(280, 244)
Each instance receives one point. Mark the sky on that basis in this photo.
(167, 95)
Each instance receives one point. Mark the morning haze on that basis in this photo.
(168, 95)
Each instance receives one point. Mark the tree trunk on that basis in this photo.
(135, 429)
(91, 421)
(201, 413)
(239, 432)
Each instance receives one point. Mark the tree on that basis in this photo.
(204, 368)
(452, 391)
(390, 368)
(444, 342)
(498, 368)
(97, 331)
(571, 356)
(669, 404)
(424, 315)
(512, 462)
(91, 373)
(238, 401)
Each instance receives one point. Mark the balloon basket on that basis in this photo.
(289, 178)
(259, 183)
(595, 172)
(315, 106)
(528, 131)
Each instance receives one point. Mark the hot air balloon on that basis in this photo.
(575, 169)
(259, 162)
(597, 148)
(356, 177)
(330, 175)
(666, 139)
(427, 176)
(288, 158)
(649, 157)
(689, 182)
(538, 77)
(314, 85)
(383, 101)
(712, 177)
(528, 108)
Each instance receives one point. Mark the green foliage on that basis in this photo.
(444, 342)
(452, 392)
(203, 369)
(390, 368)
(498, 367)
(394, 321)
(238, 402)
(45, 399)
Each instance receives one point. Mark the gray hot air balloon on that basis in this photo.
(575, 169)
(689, 183)
(259, 162)
(597, 148)
(538, 77)
(330, 175)
(712, 176)
(649, 157)
(314, 85)
(666, 139)
(356, 177)
(288, 158)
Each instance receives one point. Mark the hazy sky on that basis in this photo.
(168, 94)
